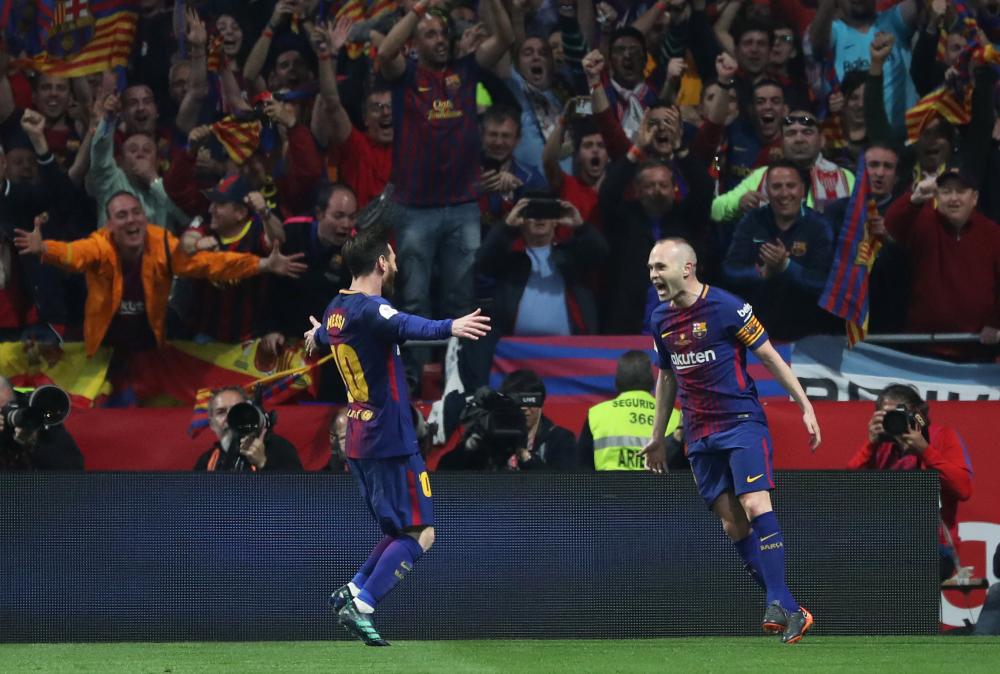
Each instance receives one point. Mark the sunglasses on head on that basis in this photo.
(804, 120)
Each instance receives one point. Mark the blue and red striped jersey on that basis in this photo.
(364, 332)
(705, 345)
(436, 141)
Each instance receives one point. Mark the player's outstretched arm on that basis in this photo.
(777, 366)
(471, 326)
(656, 450)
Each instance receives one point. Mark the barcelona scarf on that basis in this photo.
(846, 292)
(70, 38)
(953, 101)
(362, 10)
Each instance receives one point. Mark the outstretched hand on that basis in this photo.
(471, 326)
(310, 336)
(31, 243)
(283, 265)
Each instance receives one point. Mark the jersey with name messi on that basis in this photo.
(364, 332)
(705, 345)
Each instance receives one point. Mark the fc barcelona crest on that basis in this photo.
(798, 248)
(71, 29)
(700, 330)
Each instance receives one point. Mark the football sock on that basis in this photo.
(772, 560)
(361, 577)
(749, 549)
(392, 567)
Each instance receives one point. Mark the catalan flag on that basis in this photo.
(846, 292)
(72, 38)
(240, 138)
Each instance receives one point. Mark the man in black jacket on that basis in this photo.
(268, 451)
(39, 296)
(540, 267)
(634, 225)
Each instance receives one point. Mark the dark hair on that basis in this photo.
(884, 145)
(787, 164)
(767, 82)
(522, 381)
(361, 252)
(119, 193)
(909, 397)
(324, 193)
(373, 90)
(624, 32)
(498, 114)
(753, 25)
(853, 80)
(582, 128)
(634, 372)
(652, 164)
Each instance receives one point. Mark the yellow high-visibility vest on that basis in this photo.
(621, 427)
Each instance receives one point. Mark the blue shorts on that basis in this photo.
(739, 460)
(397, 491)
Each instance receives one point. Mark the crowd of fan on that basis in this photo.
(734, 124)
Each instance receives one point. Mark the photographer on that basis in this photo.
(506, 429)
(901, 437)
(29, 445)
(262, 450)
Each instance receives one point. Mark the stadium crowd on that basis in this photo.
(526, 153)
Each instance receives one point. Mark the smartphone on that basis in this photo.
(543, 209)
(757, 243)
(490, 164)
(583, 108)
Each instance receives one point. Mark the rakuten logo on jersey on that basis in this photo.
(685, 361)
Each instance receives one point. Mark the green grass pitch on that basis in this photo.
(962, 655)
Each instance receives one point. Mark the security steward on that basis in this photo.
(617, 430)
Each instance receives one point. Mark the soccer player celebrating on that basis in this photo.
(701, 335)
(364, 331)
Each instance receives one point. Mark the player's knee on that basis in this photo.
(425, 537)
(756, 503)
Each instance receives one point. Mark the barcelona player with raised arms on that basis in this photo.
(364, 332)
(701, 334)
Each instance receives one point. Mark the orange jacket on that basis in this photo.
(97, 257)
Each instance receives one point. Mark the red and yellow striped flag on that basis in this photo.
(239, 138)
(81, 37)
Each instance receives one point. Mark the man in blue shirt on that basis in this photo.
(364, 332)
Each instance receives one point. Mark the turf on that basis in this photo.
(814, 654)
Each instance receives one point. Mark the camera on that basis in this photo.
(45, 406)
(901, 420)
(494, 423)
(245, 419)
(543, 209)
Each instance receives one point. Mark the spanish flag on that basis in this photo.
(73, 38)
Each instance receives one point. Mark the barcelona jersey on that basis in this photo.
(705, 345)
(364, 332)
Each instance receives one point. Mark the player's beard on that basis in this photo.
(389, 283)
